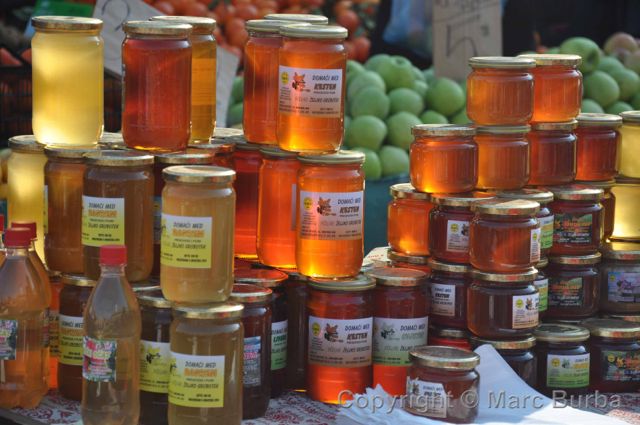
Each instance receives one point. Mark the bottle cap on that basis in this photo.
(29, 225)
(17, 237)
(113, 255)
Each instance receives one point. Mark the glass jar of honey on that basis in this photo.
(73, 300)
(149, 120)
(503, 157)
(502, 305)
(500, 90)
(340, 314)
(578, 221)
(608, 202)
(439, 383)
(63, 176)
(298, 329)
(117, 208)
(542, 285)
(629, 165)
(449, 283)
(330, 219)
(405, 261)
(278, 179)
(552, 153)
(574, 287)
(597, 146)
(557, 88)
(408, 220)
(311, 92)
(246, 161)
(449, 220)
(298, 18)
(626, 217)
(443, 158)
(620, 278)
(400, 323)
(206, 352)
(504, 236)
(518, 353)
(68, 80)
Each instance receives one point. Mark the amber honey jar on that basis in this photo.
(295, 289)
(443, 158)
(408, 220)
(626, 218)
(246, 161)
(629, 165)
(500, 90)
(597, 146)
(552, 153)
(503, 157)
(620, 278)
(574, 286)
(449, 283)
(608, 202)
(518, 353)
(440, 382)
(330, 219)
(450, 337)
(578, 219)
(311, 91)
(340, 342)
(542, 285)
(63, 174)
(405, 261)
(400, 323)
(504, 236)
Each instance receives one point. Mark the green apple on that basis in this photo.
(461, 118)
(620, 40)
(404, 99)
(375, 61)
(602, 88)
(366, 131)
(234, 116)
(237, 90)
(397, 72)
(353, 68)
(363, 80)
(433, 117)
(609, 64)
(618, 107)
(585, 48)
(589, 105)
(399, 126)
(628, 81)
(632, 61)
(372, 167)
(445, 96)
(370, 101)
(421, 88)
(394, 161)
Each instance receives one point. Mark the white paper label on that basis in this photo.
(525, 311)
(457, 236)
(429, 398)
(443, 299)
(394, 338)
(535, 245)
(310, 92)
(331, 215)
(340, 342)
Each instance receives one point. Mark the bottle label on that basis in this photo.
(394, 338)
(70, 336)
(99, 363)
(525, 311)
(45, 209)
(310, 92)
(340, 342)
(45, 329)
(572, 229)
(623, 287)
(543, 294)
(535, 245)
(157, 219)
(429, 398)
(196, 381)
(279, 345)
(567, 371)
(620, 366)
(566, 292)
(443, 299)
(546, 234)
(8, 339)
(331, 215)
(457, 236)
(251, 372)
(102, 221)
(54, 333)
(155, 358)
(186, 242)
(203, 77)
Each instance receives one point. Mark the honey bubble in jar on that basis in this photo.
(311, 88)
(340, 339)
(408, 222)
(629, 165)
(443, 158)
(620, 278)
(206, 351)
(557, 87)
(203, 74)
(449, 283)
(552, 153)
(298, 18)
(158, 119)
(330, 219)
(504, 236)
(574, 286)
(246, 161)
(597, 146)
(500, 90)
(503, 157)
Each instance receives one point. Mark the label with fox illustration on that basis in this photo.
(620, 366)
(457, 236)
(331, 215)
(567, 371)
(196, 381)
(525, 311)
(340, 342)
(155, 358)
(310, 92)
(394, 338)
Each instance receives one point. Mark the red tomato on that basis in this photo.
(165, 7)
(348, 19)
(196, 9)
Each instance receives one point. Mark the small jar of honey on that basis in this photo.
(408, 220)
(518, 353)
(552, 153)
(608, 202)
(574, 286)
(630, 144)
(597, 146)
(620, 278)
(503, 157)
(449, 283)
(626, 218)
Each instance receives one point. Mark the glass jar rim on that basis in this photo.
(25, 143)
(560, 332)
(68, 152)
(118, 158)
(397, 276)
(540, 196)
(199, 24)
(549, 59)
(267, 278)
(241, 144)
(198, 174)
(511, 207)
(77, 280)
(612, 328)
(594, 119)
(555, 126)
(66, 23)
(448, 267)
(444, 357)
(503, 129)
(315, 32)
(247, 293)
(523, 277)
(188, 157)
(298, 18)
(352, 284)
(407, 191)
(157, 28)
(406, 258)
(576, 260)
(607, 184)
(460, 199)
(624, 251)
(340, 157)
(442, 130)
(515, 344)
(501, 62)
(209, 311)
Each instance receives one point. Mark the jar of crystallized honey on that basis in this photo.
(626, 217)
(408, 220)
(542, 285)
(620, 278)
(552, 153)
(597, 146)
(574, 286)
(405, 261)
(518, 353)
(500, 91)
(504, 236)
(608, 202)
(450, 337)
(443, 158)
(503, 157)
(629, 144)
(449, 283)
(502, 305)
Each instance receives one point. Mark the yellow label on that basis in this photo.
(154, 366)
(203, 81)
(196, 381)
(102, 221)
(70, 340)
(186, 242)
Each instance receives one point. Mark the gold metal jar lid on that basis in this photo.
(222, 133)
(442, 130)
(241, 144)
(397, 276)
(316, 32)
(198, 174)
(294, 274)
(340, 157)
(110, 140)
(448, 267)
(115, 158)
(540, 196)
(560, 332)
(348, 284)
(623, 251)
(502, 62)
(66, 23)
(547, 59)
(607, 184)
(25, 143)
(612, 328)
(515, 344)
(577, 192)
(298, 18)
(407, 191)
(77, 280)
(153, 299)
(247, 293)
(188, 157)
(528, 276)
(460, 199)
(630, 117)
(225, 310)
(157, 28)
(635, 318)
(544, 262)
(268, 26)
(503, 129)
(68, 152)
(216, 147)
(515, 207)
(406, 258)
(576, 260)
(200, 25)
(448, 332)
(267, 278)
(443, 357)
(555, 126)
(592, 119)
(274, 151)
